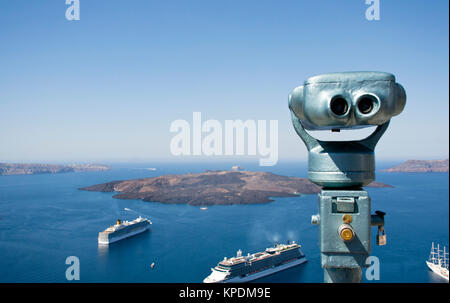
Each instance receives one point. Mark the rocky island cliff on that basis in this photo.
(212, 188)
(420, 166)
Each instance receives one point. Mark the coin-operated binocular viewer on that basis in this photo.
(345, 101)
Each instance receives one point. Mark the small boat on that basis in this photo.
(204, 208)
(152, 265)
(438, 262)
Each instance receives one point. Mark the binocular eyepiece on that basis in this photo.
(365, 105)
(347, 100)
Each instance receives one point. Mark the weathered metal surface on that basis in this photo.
(337, 253)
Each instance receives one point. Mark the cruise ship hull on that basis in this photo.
(266, 272)
(106, 239)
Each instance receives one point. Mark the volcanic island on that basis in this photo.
(212, 188)
(420, 166)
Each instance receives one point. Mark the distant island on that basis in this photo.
(32, 169)
(212, 188)
(420, 166)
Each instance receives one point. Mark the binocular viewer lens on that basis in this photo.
(339, 106)
(365, 105)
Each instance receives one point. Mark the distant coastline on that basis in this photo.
(420, 166)
(32, 169)
(212, 188)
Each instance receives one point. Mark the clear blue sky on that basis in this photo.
(108, 86)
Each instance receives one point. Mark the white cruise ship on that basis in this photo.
(122, 230)
(257, 265)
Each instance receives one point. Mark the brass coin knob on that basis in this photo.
(346, 232)
(347, 219)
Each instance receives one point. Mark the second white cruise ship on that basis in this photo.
(257, 265)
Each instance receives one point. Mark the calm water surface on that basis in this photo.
(45, 218)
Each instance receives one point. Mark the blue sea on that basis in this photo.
(45, 218)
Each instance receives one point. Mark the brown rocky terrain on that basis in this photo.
(212, 188)
(420, 166)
